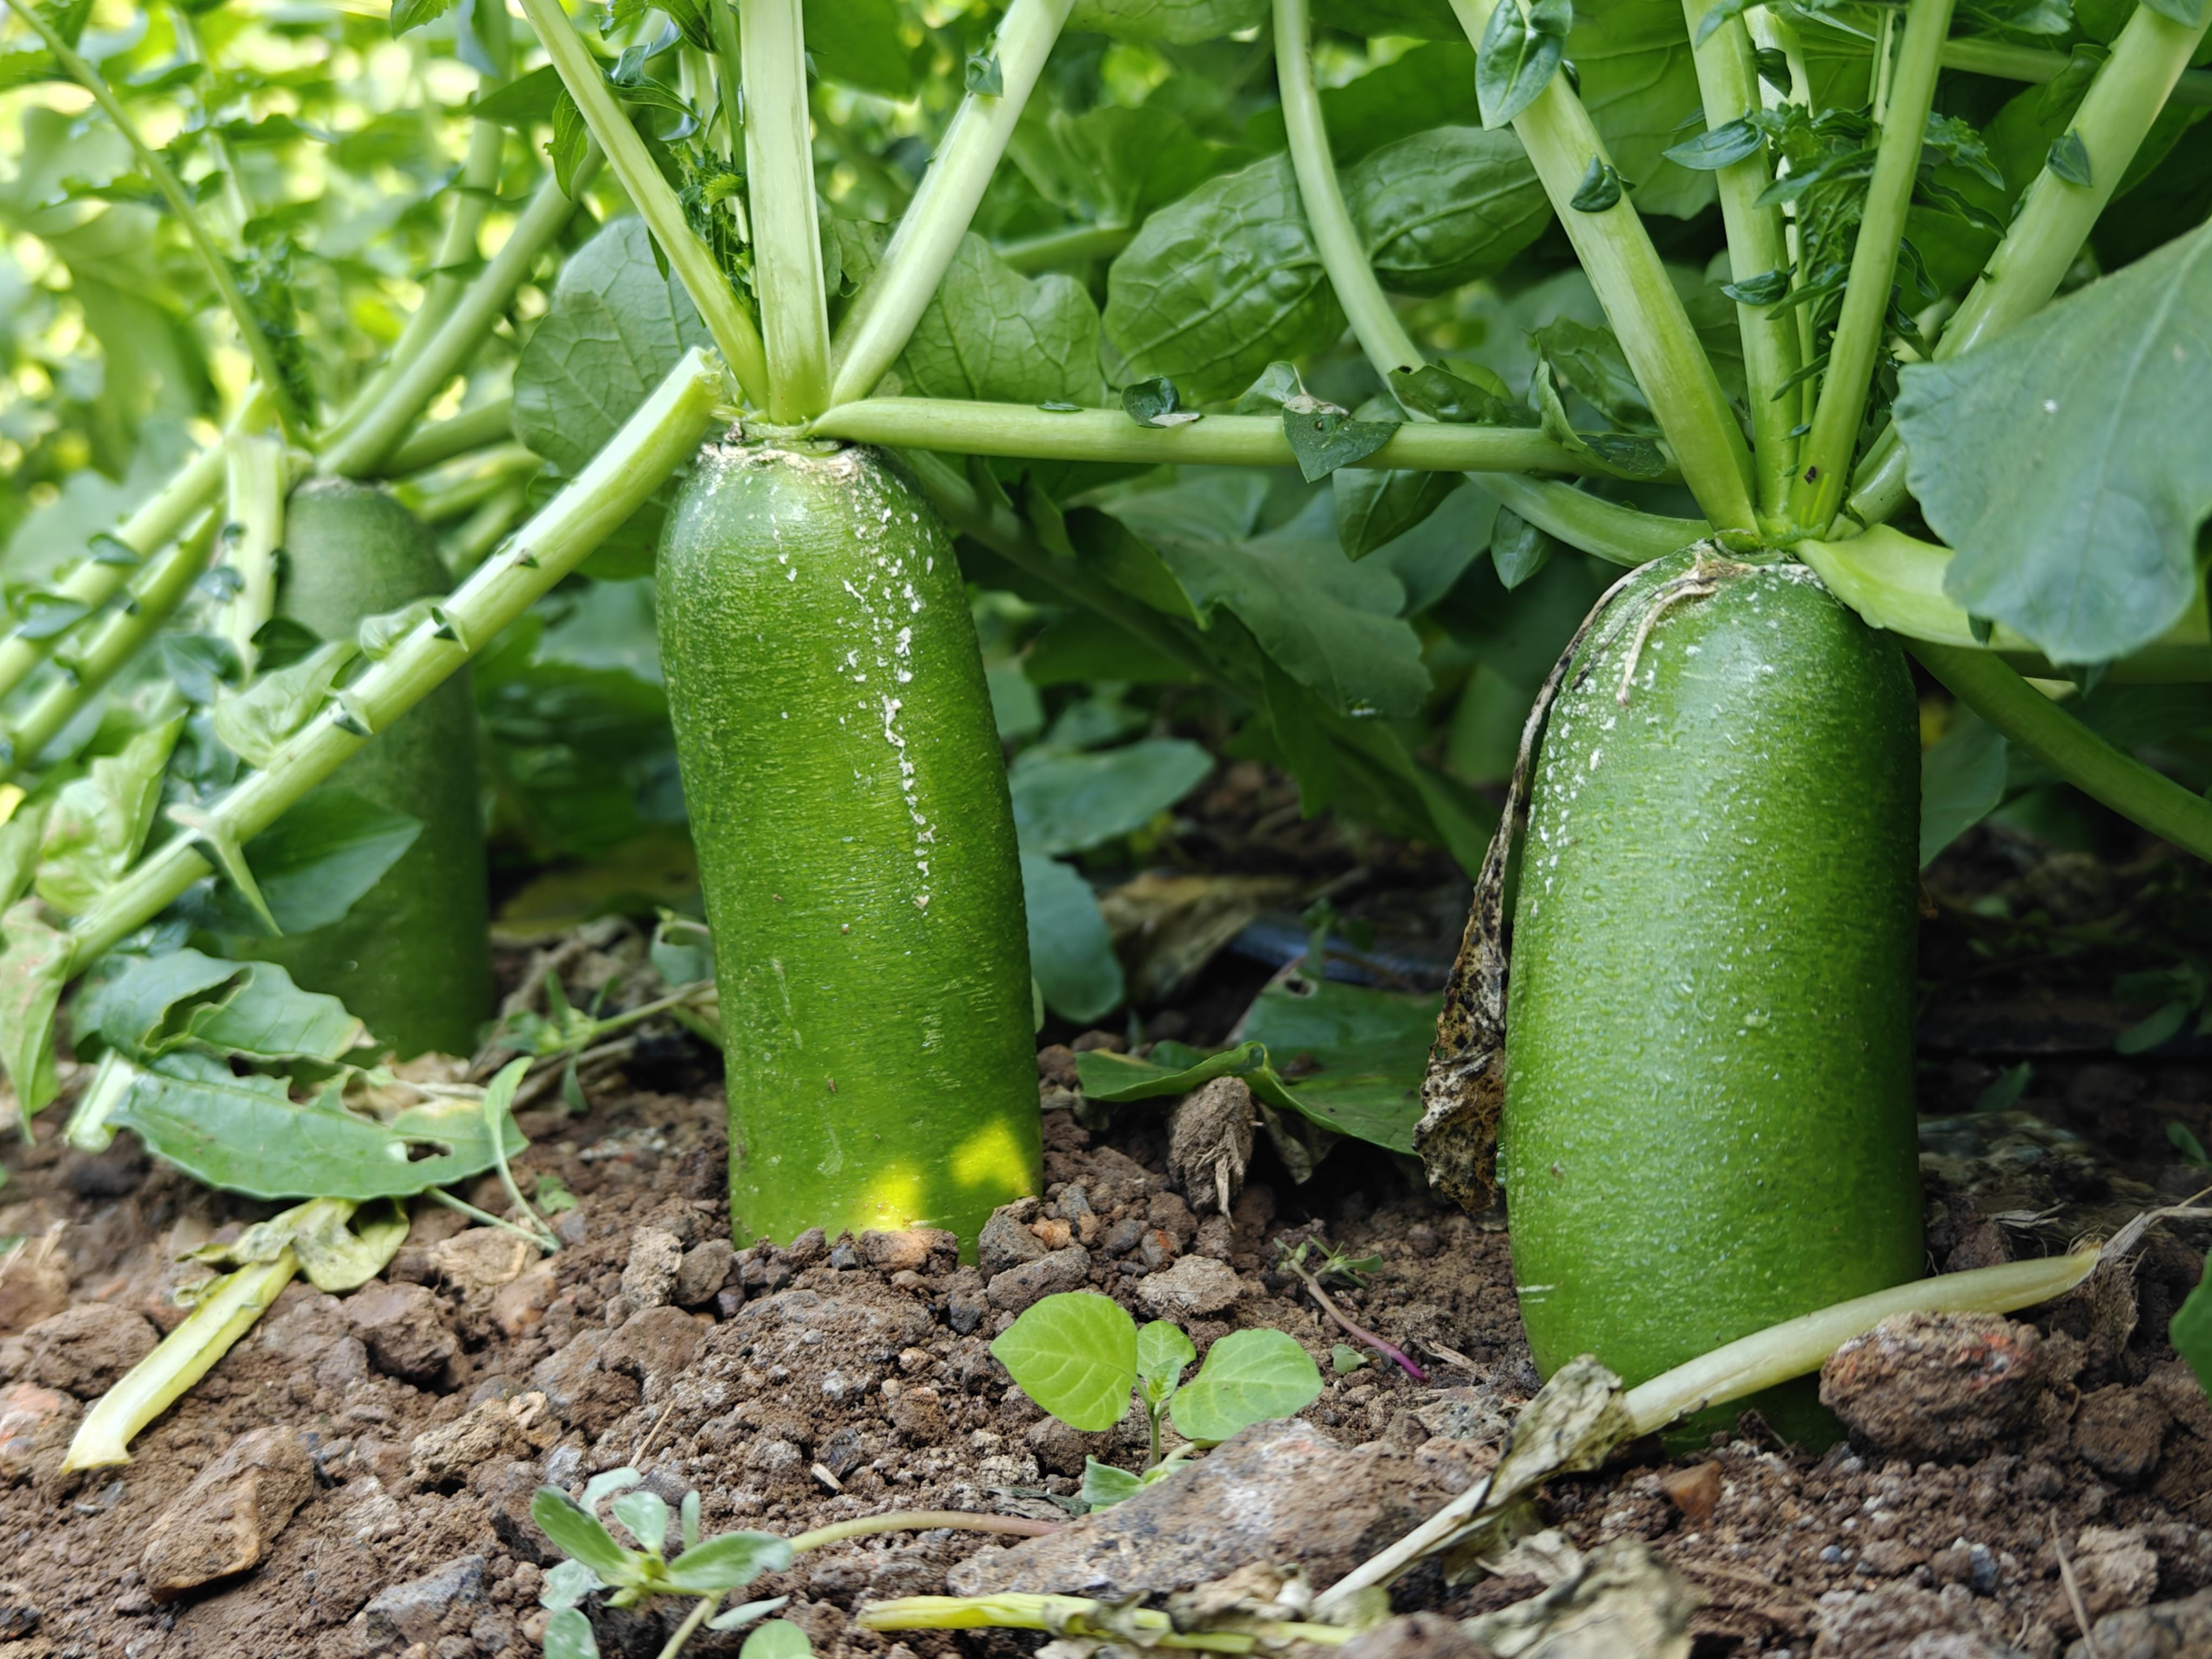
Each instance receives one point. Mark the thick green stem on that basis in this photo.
(1074, 1616)
(2070, 748)
(472, 428)
(1864, 324)
(882, 317)
(1078, 245)
(2006, 61)
(1109, 434)
(258, 475)
(662, 435)
(727, 320)
(1374, 323)
(94, 582)
(161, 588)
(1639, 298)
(180, 203)
(362, 453)
(2046, 234)
(787, 235)
(1728, 77)
(472, 195)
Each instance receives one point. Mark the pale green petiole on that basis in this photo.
(160, 587)
(1758, 1361)
(1863, 327)
(1109, 434)
(258, 473)
(787, 236)
(94, 581)
(185, 1356)
(726, 319)
(1671, 368)
(882, 318)
(1728, 78)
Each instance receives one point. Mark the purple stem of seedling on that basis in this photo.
(1390, 1351)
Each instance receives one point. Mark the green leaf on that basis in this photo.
(577, 1533)
(726, 1562)
(1071, 952)
(1324, 437)
(1461, 399)
(312, 864)
(570, 142)
(615, 329)
(413, 14)
(861, 43)
(1591, 361)
(746, 1613)
(1445, 207)
(1333, 626)
(2186, 1142)
(1219, 284)
(1600, 189)
(1250, 1376)
(982, 76)
(245, 1135)
(2065, 459)
(2160, 1028)
(646, 1515)
(1065, 803)
(254, 723)
(1075, 1354)
(99, 822)
(1962, 782)
(2068, 159)
(1374, 506)
(568, 1636)
(2189, 12)
(1346, 1359)
(992, 333)
(1521, 50)
(524, 102)
(1719, 146)
(1104, 1485)
(778, 1639)
(1368, 1051)
(1763, 289)
(1518, 549)
(2190, 1330)
(34, 968)
(156, 1006)
(1163, 1350)
(335, 1257)
(568, 1582)
(1156, 401)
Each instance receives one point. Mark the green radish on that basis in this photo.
(413, 957)
(1708, 1073)
(856, 846)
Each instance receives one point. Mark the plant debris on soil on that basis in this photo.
(354, 1478)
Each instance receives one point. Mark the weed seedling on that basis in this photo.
(1079, 1355)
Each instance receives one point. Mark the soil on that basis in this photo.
(354, 1477)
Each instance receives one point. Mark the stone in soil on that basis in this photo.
(1937, 1387)
(404, 1330)
(1279, 1491)
(418, 1610)
(1052, 1273)
(1195, 1286)
(84, 1350)
(223, 1524)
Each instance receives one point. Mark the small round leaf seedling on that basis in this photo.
(1249, 1377)
(1076, 1354)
